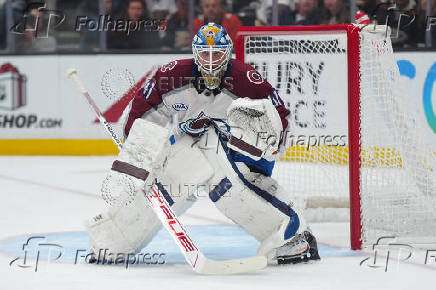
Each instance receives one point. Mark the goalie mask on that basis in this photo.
(212, 48)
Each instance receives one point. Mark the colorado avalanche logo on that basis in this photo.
(254, 77)
(168, 66)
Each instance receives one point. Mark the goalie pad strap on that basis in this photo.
(244, 146)
(129, 169)
(294, 222)
(274, 201)
(219, 190)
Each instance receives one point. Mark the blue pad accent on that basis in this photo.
(220, 189)
(294, 221)
(172, 139)
(165, 193)
(293, 225)
(265, 166)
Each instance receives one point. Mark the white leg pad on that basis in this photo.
(128, 227)
(244, 206)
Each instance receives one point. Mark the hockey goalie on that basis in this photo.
(213, 122)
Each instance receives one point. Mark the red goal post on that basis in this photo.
(330, 65)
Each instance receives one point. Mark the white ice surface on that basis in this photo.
(46, 195)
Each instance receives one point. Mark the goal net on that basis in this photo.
(353, 142)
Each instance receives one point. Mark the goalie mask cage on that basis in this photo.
(353, 139)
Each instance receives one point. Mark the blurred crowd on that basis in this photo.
(168, 25)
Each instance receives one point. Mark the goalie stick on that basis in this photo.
(199, 263)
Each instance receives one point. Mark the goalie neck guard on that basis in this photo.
(212, 49)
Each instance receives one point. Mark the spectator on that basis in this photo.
(400, 20)
(140, 36)
(36, 36)
(423, 23)
(285, 15)
(3, 24)
(177, 34)
(367, 6)
(307, 12)
(89, 40)
(160, 9)
(237, 6)
(213, 12)
(335, 12)
(246, 11)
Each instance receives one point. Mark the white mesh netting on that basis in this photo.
(398, 175)
(398, 168)
(298, 66)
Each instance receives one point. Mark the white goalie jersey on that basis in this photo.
(226, 139)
